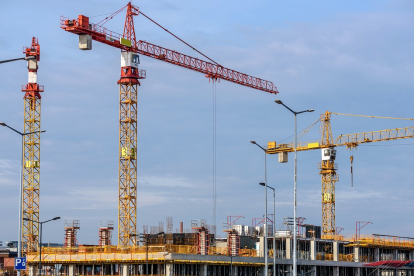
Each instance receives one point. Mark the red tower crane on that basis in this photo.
(128, 84)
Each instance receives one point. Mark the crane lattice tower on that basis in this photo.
(128, 107)
(31, 151)
(329, 178)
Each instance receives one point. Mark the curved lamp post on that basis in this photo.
(40, 239)
(274, 225)
(265, 232)
(295, 184)
(23, 58)
(19, 240)
(3, 124)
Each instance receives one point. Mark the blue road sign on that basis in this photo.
(19, 263)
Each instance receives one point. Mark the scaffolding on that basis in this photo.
(105, 234)
(233, 242)
(70, 233)
(203, 237)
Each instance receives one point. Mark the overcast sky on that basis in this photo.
(343, 56)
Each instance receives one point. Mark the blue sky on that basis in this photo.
(348, 57)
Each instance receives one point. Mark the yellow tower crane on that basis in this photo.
(328, 167)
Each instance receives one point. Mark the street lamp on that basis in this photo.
(295, 183)
(265, 232)
(23, 58)
(19, 242)
(40, 239)
(274, 225)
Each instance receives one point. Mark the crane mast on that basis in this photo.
(31, 151)
(128, 107)
(329, 178)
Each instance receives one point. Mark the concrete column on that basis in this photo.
(125, 270)
(235, 270)
(336, 252)
(262, 271)
(376, 254)
(169, 270)
(356, 254)
(290, 270)
(336, 271)
(313, 271)
(32, 270)
(203, 270)
(288, 249)
(313, 250)
(395, 253)
(261, 247)
(357, 269)
(71, 270)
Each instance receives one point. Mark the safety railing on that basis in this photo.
(158, 252)
(83, 253)
(346, 257)
(383, 241)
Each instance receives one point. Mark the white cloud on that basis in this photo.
(165, 181)
(7, 175)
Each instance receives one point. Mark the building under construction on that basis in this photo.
(241, 253)
(320, 250)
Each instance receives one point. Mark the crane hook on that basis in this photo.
(352, 174)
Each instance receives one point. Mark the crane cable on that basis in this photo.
(178, 38)
(112, 15)
(351, 157)
(303, 131)
(214, 98)
(378, 117)
(106, 19)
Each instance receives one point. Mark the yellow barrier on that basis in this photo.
(346, 258)
(114, 253)
(382, 241)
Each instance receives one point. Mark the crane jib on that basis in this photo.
(81, 26)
